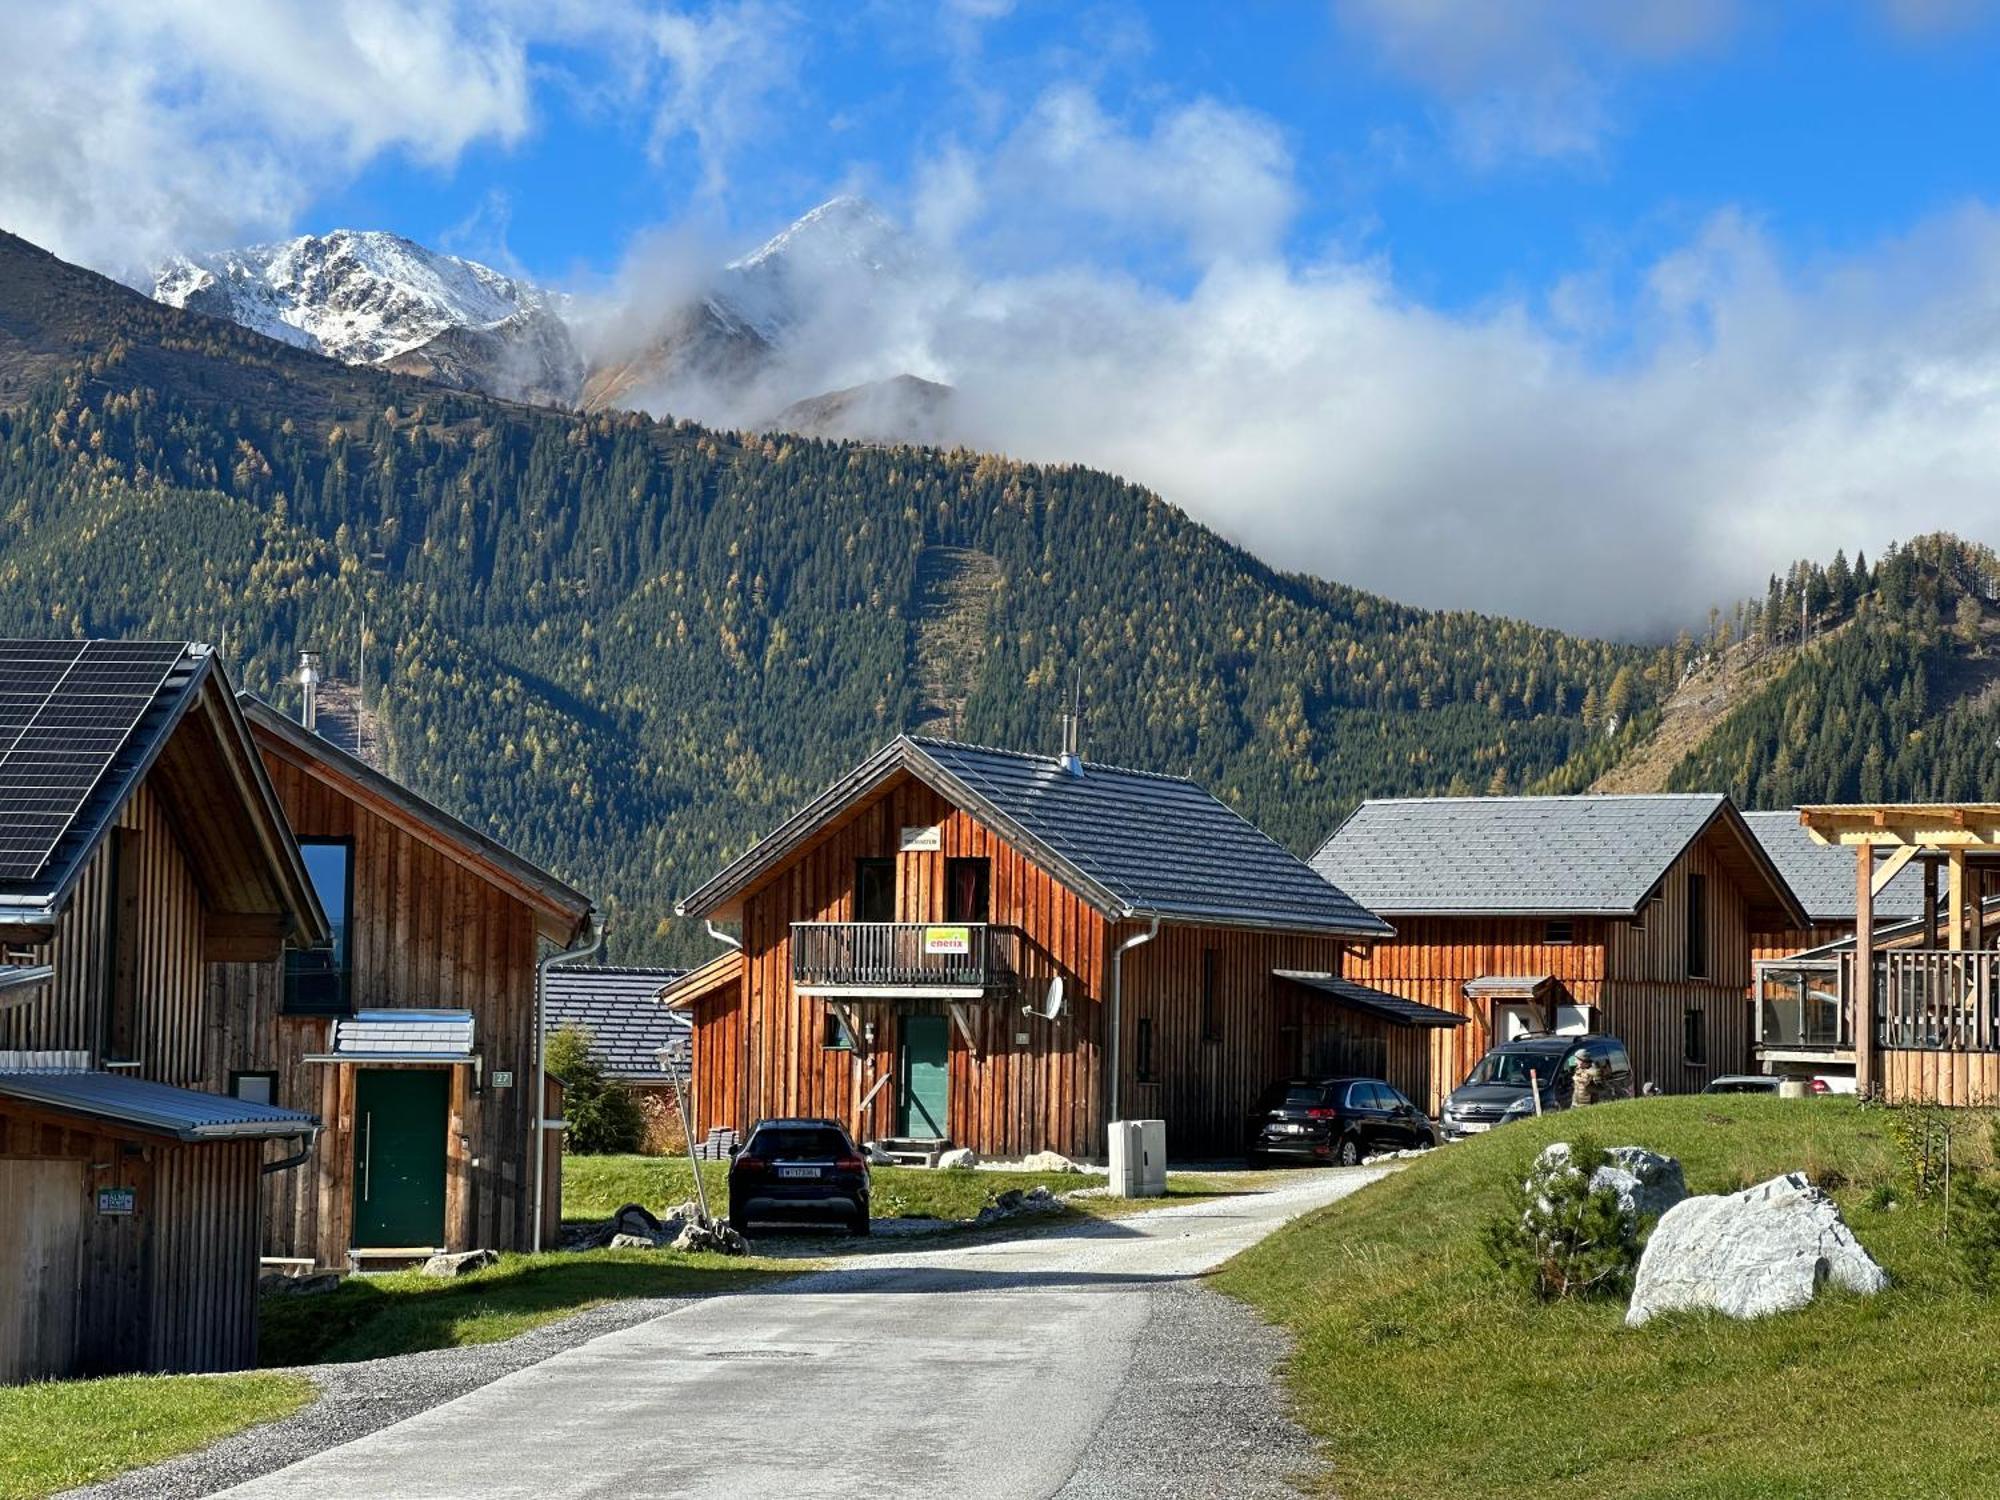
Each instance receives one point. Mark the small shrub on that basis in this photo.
(1559, 1237)
(1923, 1134)
(604, 1119)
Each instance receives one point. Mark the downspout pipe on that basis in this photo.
(571, 955)
(297, 1159)
(1116, 1019)
(726, 939)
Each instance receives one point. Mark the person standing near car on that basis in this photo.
(1585, 1080)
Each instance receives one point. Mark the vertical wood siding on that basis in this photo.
(70, 1012)
(1968, 1079)
(425, 932)
(169, 1288)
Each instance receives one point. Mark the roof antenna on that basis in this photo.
(1072, 722)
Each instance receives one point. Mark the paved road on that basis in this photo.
(1005, 1369)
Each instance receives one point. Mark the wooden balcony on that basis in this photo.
(915, 960)
(1937, 999)
(1802, 1008)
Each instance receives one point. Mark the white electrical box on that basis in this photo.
(1138, 1158)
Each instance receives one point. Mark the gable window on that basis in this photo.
(874, 890)
(967, 883)
(317, 979)
(1697, 926)
(254, 1087)
(1694, 1036)
(1559, 930)
(1143, 1058)
(1211, 1023)
(834, 1035)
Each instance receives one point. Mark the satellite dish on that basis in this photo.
(1052, 1002)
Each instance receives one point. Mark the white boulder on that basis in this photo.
(1646, 1182)
(963, 1156)
(1048, 1161)
(1767, 1249)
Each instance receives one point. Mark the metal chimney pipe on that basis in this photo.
(308, 678)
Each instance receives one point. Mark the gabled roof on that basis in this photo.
(622, 1011)
(155, 1108)
(1537, 856)
(1823, 875)
(684, 991)
(562, 912)
(1394, 1008)
(83, 724)
(1131, 843)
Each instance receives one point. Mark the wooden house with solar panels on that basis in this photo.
(959, 945)
(410, 1032)
(1625, 914)
(141, 843)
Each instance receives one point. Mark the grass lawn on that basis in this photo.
(1425, 1375)
(595, 1187)
(59, 1434)
(367, 1317)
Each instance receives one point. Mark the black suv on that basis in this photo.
(798, 1169)
(1333, 1119)
(1501, 1086)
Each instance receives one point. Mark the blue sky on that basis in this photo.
(1832, 124)
(1586, 311)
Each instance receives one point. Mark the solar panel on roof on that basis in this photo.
(66, 709)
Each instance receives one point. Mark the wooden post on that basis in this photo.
(1956, 890)
(1862, 999)
(1930, 903)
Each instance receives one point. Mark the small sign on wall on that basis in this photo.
(503, 1078)
(916, 840)
(117, 1200)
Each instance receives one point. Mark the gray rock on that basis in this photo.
(877, 1157)
(718, 1239)
(462, 1263)
(1764, 1250)
(633, 1242)
(1048, 1161)
(281, 1284)
(636, 1218)
(1014, 1204)
(1646, 1182)
(963, 1156)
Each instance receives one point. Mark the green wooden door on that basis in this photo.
(925, 1076)
(399, 1149)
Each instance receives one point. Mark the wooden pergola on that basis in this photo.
(1960, 838)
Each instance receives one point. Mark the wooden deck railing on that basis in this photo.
(900, 955)
(1935, 999)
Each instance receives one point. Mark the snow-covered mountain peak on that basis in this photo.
(843, 247)
(364, 296)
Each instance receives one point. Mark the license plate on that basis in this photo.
(1474, 1127)
(798, 1171)
(1290, 1129)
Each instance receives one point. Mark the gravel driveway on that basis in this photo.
(1087, 1360)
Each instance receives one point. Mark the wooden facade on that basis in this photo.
(435, 922)
(169, 1287)
(1204, 1025)
(1682, 1024)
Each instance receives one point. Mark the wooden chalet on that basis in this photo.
(630, 1033)
(412, 1033)
(141, 843)
(1006, 951)
(1800, 1026)
(1625, 914)
(1930, 985)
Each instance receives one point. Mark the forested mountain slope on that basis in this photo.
(628, 646)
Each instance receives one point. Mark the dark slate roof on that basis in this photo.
(81, 722)
(1465, 856)
(1132, 843)
(1396, 1008)
(621, 1010)
(403, 1036)
(157, 1108)
(1823, 875)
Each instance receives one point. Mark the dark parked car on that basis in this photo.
(798, 1169)
(1334, 1119)
(1498, 1088)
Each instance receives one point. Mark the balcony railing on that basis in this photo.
(968, 958)
(1935, 999)
(1803, 1006)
